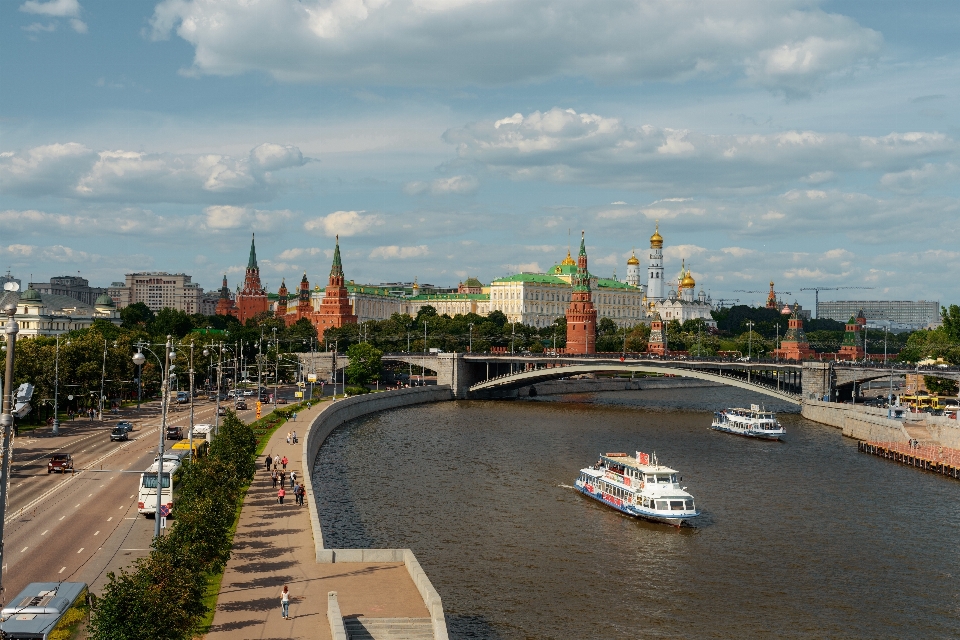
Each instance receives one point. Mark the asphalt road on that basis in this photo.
(80, 526)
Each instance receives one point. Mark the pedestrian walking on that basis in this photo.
(288, 437)
(268, 462)
(280, 494)
(274, 477)
(296, 494)
(276, 460)
(294, 437)
(285, 598)
(303, 493)
(293, 477)
(284, 462)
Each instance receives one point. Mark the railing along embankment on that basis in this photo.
(937, 459)
(333, 415)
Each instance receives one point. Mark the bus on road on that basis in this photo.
(147, 500)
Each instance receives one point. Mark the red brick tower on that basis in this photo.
(252, 299)
(852, 346)
(794, 345)
(304, 308)
(282, 301)
(581, 314)
(335, 310)
(656, 344)
(772, 298)
(225, 306)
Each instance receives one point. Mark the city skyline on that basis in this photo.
(817, 147)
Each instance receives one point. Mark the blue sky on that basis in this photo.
(811, 143)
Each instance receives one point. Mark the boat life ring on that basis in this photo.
(642, 483)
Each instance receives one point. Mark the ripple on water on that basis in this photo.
(799, 538)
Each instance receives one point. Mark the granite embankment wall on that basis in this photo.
(588, 385)
(862, 423)
(335, 414)
(946, 430)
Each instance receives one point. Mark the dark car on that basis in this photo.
(211, 396)
(241, 405)
(174, 433)
(281, 401)
(126, 426)
(222, 411)
(119, 434)
(61, 462)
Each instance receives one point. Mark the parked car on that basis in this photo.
(281, 401)
(212, 396)
(126, 426)
(118, 434)
(241, 405)
(61, 462)
(174, 433)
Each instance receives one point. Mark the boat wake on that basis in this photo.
(566, 486)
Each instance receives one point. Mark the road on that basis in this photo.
(79, 527)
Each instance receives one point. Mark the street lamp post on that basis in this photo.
(103, 375)
(56, 389)
(276, 375)
(139, 359)
(470, 346)
(6, 418)
(191, 401)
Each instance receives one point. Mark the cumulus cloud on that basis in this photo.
(124, 221)
(459, 185)
(56, 9)
(788, 46)
(72, 170)
(393, 252)
(917, 180)
(293, 254)
(344, 223)
(564, 146)
(225, 217)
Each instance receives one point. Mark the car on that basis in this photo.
(183, 397)
(281, 401)
(222, 411)
(211, 396)
(248, 392)
(118, 434)
(174, 433)
(126, 426)
(61, 462)
(241, 405)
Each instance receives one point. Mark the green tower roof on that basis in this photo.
(336, 269)
(252, 262)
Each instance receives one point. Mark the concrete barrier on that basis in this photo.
(561, 387)
(946, 430)
(332, 416)
(855, 421)
(337, 629)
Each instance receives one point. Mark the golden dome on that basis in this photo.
(688, 282)
(633, 259)
(656, 240)
(568, 261)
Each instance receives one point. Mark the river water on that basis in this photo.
(800, 538)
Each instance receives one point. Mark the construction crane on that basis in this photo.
(722, 300)
(816, 295)
(788, 293)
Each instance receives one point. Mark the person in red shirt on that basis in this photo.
(284, 462)
(280, 495)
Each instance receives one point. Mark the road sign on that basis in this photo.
(163, 523)
(258, 409)
(164, 510)
(298, 394)
(311, 377)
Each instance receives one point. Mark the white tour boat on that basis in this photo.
(753, 423)
(638, 487)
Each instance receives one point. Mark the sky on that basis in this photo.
(812, 143)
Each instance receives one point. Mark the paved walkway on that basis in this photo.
(274, 546)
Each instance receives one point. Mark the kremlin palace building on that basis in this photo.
(535, 299)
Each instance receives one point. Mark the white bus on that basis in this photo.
(147, 500)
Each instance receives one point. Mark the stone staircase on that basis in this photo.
(363, 628)
(918, 431)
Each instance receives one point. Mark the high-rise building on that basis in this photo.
(581, 314)
(901, 315)
(158, 289)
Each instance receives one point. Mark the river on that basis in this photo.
(800, 538)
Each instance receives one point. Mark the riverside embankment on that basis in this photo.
(597, 385)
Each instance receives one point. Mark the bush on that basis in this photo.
(356, 391)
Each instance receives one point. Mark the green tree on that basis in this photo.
(365, 363)
(136, 315)
(170, 322)
(940, 386)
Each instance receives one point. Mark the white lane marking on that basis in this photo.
(62, 570)
(96, 533)
(78, 504)
(129, 518)
(45, 532)
(90, 496)
(110, 518)
(81, 549)
(62, 517)
(121, 506)
(131, 497)
(24, 549)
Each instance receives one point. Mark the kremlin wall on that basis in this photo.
(567, 289)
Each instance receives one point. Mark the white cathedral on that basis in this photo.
(680, 302)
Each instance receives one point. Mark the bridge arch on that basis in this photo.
(526, 378)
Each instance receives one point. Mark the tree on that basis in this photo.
(951, 321)
(170, 322)
(426, 312)
(136, 315)
(365, 363)
(940, 386)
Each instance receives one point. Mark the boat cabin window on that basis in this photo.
(662, 505)
(676, 505)
(689, 504)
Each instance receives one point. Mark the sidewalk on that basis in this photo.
(274, 546)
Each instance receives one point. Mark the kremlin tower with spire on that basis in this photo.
(581, 314)
(252, 299)
(335, 310)
(225, 306)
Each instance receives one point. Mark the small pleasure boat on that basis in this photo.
(638, 486)
(754, 422)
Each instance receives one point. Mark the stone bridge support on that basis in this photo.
(458, 373)
(818, 380)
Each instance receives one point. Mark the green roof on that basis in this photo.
(450, 296)
(541, 278)
(567, 269)
(252, 260)
(472, 282)
(608, 283)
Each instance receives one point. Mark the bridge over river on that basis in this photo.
(485, 375)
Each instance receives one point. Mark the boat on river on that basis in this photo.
(638, 486)
(754, 422)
